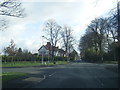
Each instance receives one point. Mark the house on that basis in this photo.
(43, 50)
(46, 50)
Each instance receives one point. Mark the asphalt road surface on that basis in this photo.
(74, 75)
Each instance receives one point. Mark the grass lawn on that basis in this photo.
(111, 62)
(30, 63)
(7, 76)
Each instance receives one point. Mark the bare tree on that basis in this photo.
(11, 8)
(68, 40)
(53, 33)
(111, 31)
(112, 26)
(11, 49)
(3, 24)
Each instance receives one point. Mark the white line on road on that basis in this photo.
(98, 79)
(100, 82)
(52, 74)
(44, 76)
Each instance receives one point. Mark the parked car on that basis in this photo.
(78, 61)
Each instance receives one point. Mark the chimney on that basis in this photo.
(48, 43)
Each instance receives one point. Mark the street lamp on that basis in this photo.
(50, 48)
(42, 51)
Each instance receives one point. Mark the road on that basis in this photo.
(74, 75)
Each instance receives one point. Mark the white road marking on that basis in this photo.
(98, 79)
(44, 76)
(52, 74)
(100, 82)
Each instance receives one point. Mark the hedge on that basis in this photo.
(31, 58)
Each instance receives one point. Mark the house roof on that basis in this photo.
(61, 51)
(41, 47)
(49, 47)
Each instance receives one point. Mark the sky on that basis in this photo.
(27, 32)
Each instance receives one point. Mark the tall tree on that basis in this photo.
(89, 40)
(111, 32)
(88, 46)
(53, 34)
(68, 40)
(98, 26)
(112, 25)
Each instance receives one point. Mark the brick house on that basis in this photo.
(46, 50)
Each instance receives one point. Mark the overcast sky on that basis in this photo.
(26, 32)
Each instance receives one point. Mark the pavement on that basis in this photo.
(74, 75)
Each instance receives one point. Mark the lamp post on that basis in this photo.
(42, 51)
(50, 48)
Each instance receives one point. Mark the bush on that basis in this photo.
(59, 58)
(20, 58)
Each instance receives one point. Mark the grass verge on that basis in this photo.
(30, 63)
(111, 62)
(62, 62)
(7, 76)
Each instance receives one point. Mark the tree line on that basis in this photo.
(12, 54)
(100, 41)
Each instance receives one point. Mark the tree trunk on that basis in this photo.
(101, 53)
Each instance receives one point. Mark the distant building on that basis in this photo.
(46, 50)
